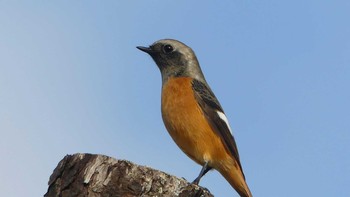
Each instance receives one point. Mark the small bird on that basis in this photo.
(192, 114)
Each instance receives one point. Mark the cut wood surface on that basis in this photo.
(102, 176)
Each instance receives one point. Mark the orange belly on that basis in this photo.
(187, 125)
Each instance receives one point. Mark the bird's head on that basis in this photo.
(174, 59)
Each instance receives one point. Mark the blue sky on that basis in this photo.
(71, 80)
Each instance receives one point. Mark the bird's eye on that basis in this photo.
(168, 48)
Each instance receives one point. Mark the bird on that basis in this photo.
(193, 115)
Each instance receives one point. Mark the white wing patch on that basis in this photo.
(223, 117)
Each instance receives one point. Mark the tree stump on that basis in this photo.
(91, 175)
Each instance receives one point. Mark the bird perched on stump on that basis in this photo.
(192, 114)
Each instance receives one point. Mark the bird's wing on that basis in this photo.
(215, 116)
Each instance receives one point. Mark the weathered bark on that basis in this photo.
(101, 176)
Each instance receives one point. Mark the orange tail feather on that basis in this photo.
(235, 177)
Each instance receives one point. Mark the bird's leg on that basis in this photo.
(204, 170)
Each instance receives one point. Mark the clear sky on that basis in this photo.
(71, 80)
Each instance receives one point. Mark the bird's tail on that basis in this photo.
(235, 177)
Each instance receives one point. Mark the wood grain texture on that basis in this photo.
(102, 176)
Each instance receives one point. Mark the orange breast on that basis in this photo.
(187, 125)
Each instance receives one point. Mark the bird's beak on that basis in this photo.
(145, 49)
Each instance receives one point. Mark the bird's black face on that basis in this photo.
(164, 54)
(168, 57)
(173, 58)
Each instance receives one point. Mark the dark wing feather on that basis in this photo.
(210, 105)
